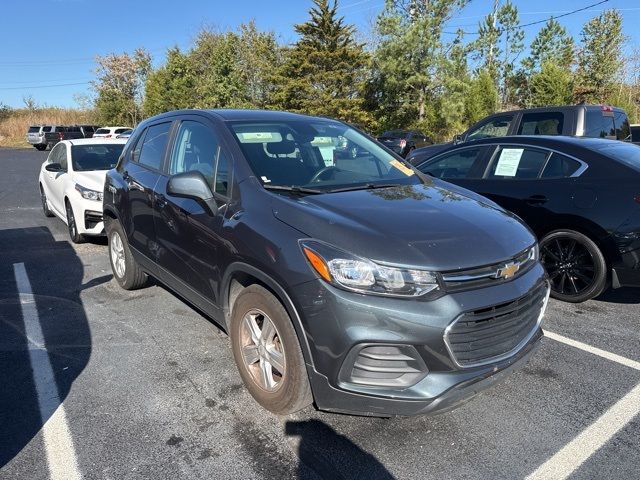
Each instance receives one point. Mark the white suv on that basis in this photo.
(109, 132)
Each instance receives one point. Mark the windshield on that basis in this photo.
(627, 153)
(317, 154)
(95, 157)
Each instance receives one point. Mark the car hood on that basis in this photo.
(93, 179)
(433, 226)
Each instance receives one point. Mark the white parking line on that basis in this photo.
(61, 455)
(595, 436)
(627, 362)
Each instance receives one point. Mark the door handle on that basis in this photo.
(536, 200)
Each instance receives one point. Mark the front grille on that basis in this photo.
(488, 275)
(384, 366)
(497, 332)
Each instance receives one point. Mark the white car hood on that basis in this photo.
(93, 180)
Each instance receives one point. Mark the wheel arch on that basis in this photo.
(240, 275)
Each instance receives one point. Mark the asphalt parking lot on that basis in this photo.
(142, 386)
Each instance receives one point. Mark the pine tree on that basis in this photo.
(170, 87)
(600, 57)
(552, 85)
(551, 43)
(324, 72)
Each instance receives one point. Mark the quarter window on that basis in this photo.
(560, 166)
(518, 163)
(153, 147)
(544, 123)
(496, 127)
(453, 165)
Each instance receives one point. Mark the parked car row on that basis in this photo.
(46, 136)
(344, 275)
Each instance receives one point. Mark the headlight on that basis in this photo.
(357, 274)
(89, 194)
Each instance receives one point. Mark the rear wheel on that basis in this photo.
(267, 352)
(45, 203)
(40, 147)
(72, 225)
(576, 267)
(126, 270)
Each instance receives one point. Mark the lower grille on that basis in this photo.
(384, 366)
(92, 218)
(497, 332)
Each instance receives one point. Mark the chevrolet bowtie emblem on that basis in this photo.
(508, 271)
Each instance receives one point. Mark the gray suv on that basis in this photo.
(353, 282)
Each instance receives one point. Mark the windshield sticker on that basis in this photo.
(402, 167)
(508, 162)
(259, 137)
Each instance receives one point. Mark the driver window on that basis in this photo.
(196, 149)
(59, 155)
(454, 165)
(496, 127)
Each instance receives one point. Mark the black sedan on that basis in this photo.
(403, 142)
(580, 196)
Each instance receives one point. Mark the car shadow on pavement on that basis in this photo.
(55, 274)
(625, 295)
(327, 454)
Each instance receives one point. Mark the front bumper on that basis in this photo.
(337, 322)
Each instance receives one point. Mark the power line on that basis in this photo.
(44, 86)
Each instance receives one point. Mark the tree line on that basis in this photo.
(414, 71)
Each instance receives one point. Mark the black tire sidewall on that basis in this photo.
(295, 393)
(600, 265)
(75, 237)
(130, 280)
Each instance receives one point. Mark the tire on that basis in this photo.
(125, 269)
(270, 361)
(40, 147)
(72, 225)
(45, 203)
(576, 267)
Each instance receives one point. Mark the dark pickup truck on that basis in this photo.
(598, 121)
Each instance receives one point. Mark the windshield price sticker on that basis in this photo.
(508, 162)
(402, 167)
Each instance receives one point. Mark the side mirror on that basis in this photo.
(192, 185)
(457, 139)
(53, 167)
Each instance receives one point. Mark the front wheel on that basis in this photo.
(45, 203)
(40, 147)
(73, 226)
(126, 270)
(576, 267)
(267, 352)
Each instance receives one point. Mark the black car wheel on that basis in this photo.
(126, 270)
(267, 352)
(576, 267)
(73, 227)
(45, 203)
(40, 147)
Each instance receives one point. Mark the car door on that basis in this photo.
(141, 173)
(534, 183)
(189, 234)
(56, 180)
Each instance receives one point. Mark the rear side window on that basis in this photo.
(453, 165)
(103, 130)
(543, 123)
(34, 129)
(623, 130)
(46, 129)
(120, 130)
(153, 147)
(560, 166)
(599, 124)
(496, 127)
(517, 163)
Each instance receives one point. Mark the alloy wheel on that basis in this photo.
(117, 255)
(262, 350)
(569, 264)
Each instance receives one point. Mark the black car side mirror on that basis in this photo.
(192, 185)
(457, 139)
(53, 167)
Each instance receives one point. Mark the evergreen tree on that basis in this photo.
(552, 85)
(171, 87)
(324, 72)
(482, 97)
(600, 57)
(551, 43)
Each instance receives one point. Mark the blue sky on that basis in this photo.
(53, 42)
